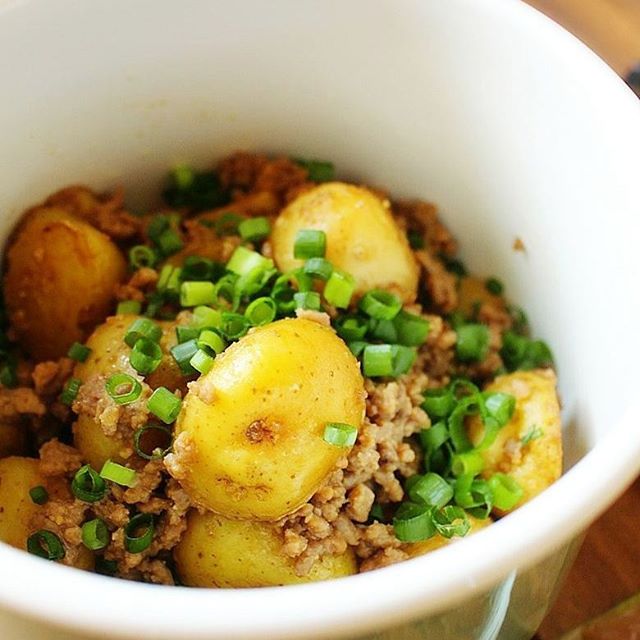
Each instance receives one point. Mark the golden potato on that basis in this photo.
(219, 552)
(250, 434)
(109, 355)
(473, 292)
(362, 237)
(17, 476)
(61, 274)
(415, 549)
(535, 464)
(13, 439)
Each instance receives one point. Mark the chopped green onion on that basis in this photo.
(201, 361)
(157, 226)
(212, 341)
(123, 388)
(380, 304)
(472, 342)
(339, 289)
(339, 434)
(318, 268)
(520, 352)
(142, 328)
(412, 330)
(152, 442)
(252, 282)
(206, 318)
(197, 268)
(534, 433)
(142, 256)
(453, 265)
(169, 280)
(377, 360)
(164, 405)
(95, 535)
(138, 533)
(244, 260)
(403, 359)
(127, 307)
(261, 311)
(507, 493)
(413, 523)
(431, 489)
(310, 243)
(146, 356)
(119, 474)
(357, 347)
(283, 295)
(105, 567)
(494, 286)
(182, 354)
(87, 485)
(307, 300)
(254, 229)
(39, 495)
(416, 239)
(9, 373)
(169, 242)
(204, 191)
(384, 330)
(183, 176)
(318, 170)
(467, 463)
(499, 406)
(456, 421)
(184, 334)
(70, 391)
(227, 224)
(45, 544)
(434, 437)
(520, 320)
(475, 496)
(451, 521)
(78, 352)
(439, 403)
(351, 328)
(234, 325)
(195, 293)
(377, 513)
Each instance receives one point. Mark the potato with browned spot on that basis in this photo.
(529, 446)
(250, 435)
(60, 280)
(110, 355)
(362, 237)
(220, 552)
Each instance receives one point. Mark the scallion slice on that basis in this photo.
(234, 326)
(339, 289)
(467, 463)
(182, 354)
(197, 268)
(254, 229)
(431, 489)
(307, 300)
(87, 485)
(146, 356)
(164, 405)
(152, 442)
(169, 242)
(339, 434)
(411, 329)
(70, 391)
(403, 359)
(413, 522)
(184, 334)
(310, 243)
(439, 403)
(39, 495)
(142, 328)
(318, 268)
(380, 304)
(211, 340)
(119, 474)
(126, 307)
(244, 260)
(507, 493)
(78, 352)
(351, 327)
(472, 342)
(261, 311)
(45, 544)
(357, 347)
(206, 318)
(318, 170)
(195, 293)
(377, 360)
(202, 361)
(142, 256)
(169, 280)
(138, 533)
(494, 286)
(95, 535)
(451, 521)
(384, 330)
(123, 388)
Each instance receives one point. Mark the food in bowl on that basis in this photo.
(277, 378)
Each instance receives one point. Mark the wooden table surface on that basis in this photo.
(607, 569)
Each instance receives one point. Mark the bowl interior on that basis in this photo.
(508, 124)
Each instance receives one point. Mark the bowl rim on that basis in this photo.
(128, 609)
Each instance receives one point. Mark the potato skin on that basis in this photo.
(255, 423)
(59, 283)
(362, 237)
(17, 476)
(219, 552)
(538, 464)
(109, 355)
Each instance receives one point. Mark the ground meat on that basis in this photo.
(16, 402)
(315, 316)
(49, 377)
(439, 283)
(423, 218)
(487, 368)
(436, 356)
(58, 459)
(141, 283)
(279, 176)
(240, 170)
(361, 499)
(179, 459)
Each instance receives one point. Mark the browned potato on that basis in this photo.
(538, 463)
(362, 237)
(60, 279)
(250, 435)
(219, 552)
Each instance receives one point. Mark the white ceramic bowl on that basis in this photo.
(484, 106)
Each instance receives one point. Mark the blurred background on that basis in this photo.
(601, 597)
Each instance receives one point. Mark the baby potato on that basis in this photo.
(59, 283)
(362, 237)
(218, 552)
(17, 477)
(250, 434)
(415, 549)
(537, 463)
(109, 355)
